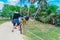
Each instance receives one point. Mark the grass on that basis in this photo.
(40, 30)
(3, 20)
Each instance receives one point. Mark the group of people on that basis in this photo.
(18, 20)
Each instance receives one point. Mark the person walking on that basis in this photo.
(16, 20)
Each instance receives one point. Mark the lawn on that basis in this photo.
(38, 31)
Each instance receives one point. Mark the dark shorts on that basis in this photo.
(16, 22)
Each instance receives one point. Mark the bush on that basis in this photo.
(58, 21)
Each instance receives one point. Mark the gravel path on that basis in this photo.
(7, 34)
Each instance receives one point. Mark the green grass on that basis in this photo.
(44, 31)
(3, 20)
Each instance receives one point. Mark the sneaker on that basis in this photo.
(12, 30)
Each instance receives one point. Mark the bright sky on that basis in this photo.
(1, 5)
(55, 2)
(13, 2)
(18, 2)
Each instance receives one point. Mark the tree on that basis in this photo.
(46, 12)
(32, 9)
(8, 10)
(24, 10)
(42, 4)
(32, 1)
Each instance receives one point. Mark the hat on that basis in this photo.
(15, 12)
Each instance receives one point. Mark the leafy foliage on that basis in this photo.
(32, 9)
(8, 10)
(24, 10)
(47, 14)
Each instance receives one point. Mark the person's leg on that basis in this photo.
(18, 25)
(13, 27)
(20, 28)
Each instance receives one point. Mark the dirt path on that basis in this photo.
(6, 34)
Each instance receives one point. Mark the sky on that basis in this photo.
(19, 3)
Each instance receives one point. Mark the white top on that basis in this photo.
(20, 20)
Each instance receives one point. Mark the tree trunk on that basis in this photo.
(32, 1)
